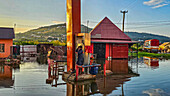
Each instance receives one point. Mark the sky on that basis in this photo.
(151, 16)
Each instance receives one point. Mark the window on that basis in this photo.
(1, 69)
(2, 47)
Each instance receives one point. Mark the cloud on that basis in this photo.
(161, 5)
(153, 2)
(156, 92)
(156, 3)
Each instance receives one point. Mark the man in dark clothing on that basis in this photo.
(80, 59)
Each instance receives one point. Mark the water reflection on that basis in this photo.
(35, 79)
(118, 72)
(117, 66)
(82, 88)
(152, 62)
(52, 74)
(42, 59)
(110, 83)
(6, 76)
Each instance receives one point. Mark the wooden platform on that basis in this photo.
(10, 61)
(81, 77)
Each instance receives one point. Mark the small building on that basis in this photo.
(108, 41)
(151, 45)
(6, 41)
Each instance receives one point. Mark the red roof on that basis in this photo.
(114, 41)
(107, 30)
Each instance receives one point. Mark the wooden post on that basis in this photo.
(104, 69)
(77, 72)
(124, 12)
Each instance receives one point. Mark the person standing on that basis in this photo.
(80, 59)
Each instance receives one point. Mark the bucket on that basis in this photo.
(94, 70)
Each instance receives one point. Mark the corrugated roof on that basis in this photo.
(107, 30)
(7, 33)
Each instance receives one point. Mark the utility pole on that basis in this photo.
(87, 26)
(15, 27)
(124, 12)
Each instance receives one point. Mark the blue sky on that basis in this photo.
(150, 16)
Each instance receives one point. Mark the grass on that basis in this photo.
(167, 56)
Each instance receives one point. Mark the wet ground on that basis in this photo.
(29, 79)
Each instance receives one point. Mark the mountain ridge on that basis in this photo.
(57, 32)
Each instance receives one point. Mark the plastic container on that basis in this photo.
(94, 70)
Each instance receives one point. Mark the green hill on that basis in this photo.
(53, 32)
(146, 36)
(57, 32)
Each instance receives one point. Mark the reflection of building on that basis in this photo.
(5, 72)
(82, 88)
(153, 62)
(42, 59)
(117, 66)
(6, 41)
(107, 84)
(121, 73)
(29, 59)
(6, 76)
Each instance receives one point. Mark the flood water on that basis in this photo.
(135, 77)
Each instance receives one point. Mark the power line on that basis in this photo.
(148, 26)
(141, 22)
(130, 4)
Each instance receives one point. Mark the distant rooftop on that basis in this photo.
(7, 33)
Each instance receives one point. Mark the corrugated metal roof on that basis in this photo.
(114, 41)
(107, 30)
(7, 33)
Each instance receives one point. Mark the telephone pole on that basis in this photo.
(15, 27)
(87, 26)
(124, 12)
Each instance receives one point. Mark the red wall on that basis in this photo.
(108, 50)
(116, 50)
(120, 51)
(154, 42)
(8, 43)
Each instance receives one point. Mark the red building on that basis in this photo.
(151, 45)
(109, 41)
(6, 41)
